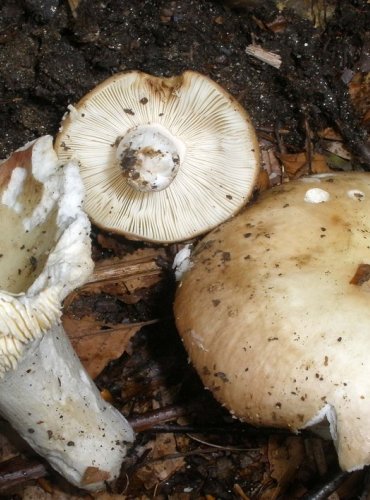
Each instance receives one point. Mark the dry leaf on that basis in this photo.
(73, 5)
(263, 181)
(319, 164)
(96, 346)
(98, 342)
(104, 495)
(337, 148)
(35, 492)
(94, 475)
(359, 90)
(285, 455)
(161, 461)
(272, 165)
(314, 446)
(297, 164)
(8, 449)
(330, 134)
(126, 277)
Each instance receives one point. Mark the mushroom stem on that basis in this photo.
(55, 406)
(149, 157)
(45, 393)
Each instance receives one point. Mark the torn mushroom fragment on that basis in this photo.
(162, 159)
(274, 311)
(45, 253)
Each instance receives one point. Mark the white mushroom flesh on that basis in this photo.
(45, 253)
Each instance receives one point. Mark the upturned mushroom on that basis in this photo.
(45, 393)
(274, 310)
(162, 159)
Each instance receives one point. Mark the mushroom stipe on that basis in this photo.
(45, 393)
(274, 311)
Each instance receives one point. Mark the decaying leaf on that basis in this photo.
(359, 89)
(97, 345)
(298, 164)
(161, 462)
(263, 180)
(285, 455)
(36, 492)
(317, 11)
(97, 341)
(7, 449)
(73, 5)
(271, 165)
(94, 474)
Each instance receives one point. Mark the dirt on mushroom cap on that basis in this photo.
(274, 311)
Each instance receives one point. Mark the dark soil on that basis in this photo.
(49, 59)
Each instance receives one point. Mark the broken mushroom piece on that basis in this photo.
(45, 393)
(274, 310)
(162, 159)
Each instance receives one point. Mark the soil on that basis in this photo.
(50, 58)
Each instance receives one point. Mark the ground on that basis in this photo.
(51, 54)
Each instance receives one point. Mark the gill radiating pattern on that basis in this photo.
(213, 177)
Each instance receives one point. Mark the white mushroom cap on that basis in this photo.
(45, 250)
(275, 315)
(45, 392)
(162, 159)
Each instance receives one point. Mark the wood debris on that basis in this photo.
(264, 55)
(73, 5)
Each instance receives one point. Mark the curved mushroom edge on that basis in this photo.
(273, 311)
(54, 215)
(132, 170)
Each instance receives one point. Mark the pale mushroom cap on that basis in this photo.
(45, 244)
(207, 155)
(275, 314)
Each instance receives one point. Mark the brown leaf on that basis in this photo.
(319, 164)
(297, 164)
(127, 278)
(330, 134)
(162, 461)
(285, 456)
(359, 90)
(263, 181)
(94, 475)
(96, 346)
(272, 165)
(293, 163)
(36, 492)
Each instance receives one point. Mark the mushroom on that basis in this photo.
(45, 393)
(162, 159)
(274, 311)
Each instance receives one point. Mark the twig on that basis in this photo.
(308, 144)
(264, 55)
(18, 470)
(326, 488)
(148, 420)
